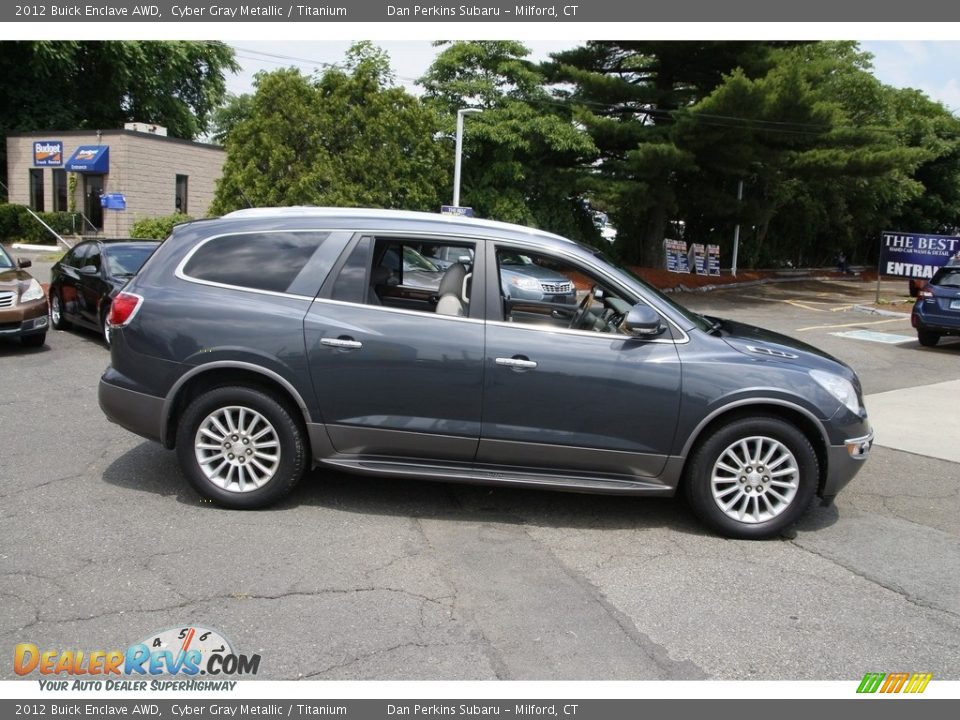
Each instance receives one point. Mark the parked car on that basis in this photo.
(520, 277)
(937, 310)
(85, 281)
(265, 342)
(23, 304)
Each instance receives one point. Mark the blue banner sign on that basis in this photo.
(113, 201)
(713, 259)
(915, 255)
(698, 251)
(677, 259)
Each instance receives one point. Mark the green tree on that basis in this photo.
(92, 84)
(523, 157)
(345, 138)
(625, 94)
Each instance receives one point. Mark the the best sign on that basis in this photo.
(915, 255)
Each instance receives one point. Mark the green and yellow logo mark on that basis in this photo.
(894, 682)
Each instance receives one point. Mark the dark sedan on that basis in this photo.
(85, 281)
(937, 310)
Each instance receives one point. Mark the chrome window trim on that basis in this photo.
(401, 311)
(587, 333)
(180, 274)
(453, 236)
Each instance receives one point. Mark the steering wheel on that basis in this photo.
(581, 313)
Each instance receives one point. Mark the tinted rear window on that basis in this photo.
(947, 277)
(260, 261)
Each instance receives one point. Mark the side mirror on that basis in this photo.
(23, 263)
(643, 321)
(89, 270)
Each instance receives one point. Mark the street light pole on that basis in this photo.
(456, 166)
(736, 231)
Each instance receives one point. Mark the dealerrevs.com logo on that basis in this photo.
(188, 652)
(888, 683)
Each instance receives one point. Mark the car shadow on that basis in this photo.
(13, 346)
(151, 468)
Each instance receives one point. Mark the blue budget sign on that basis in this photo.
(915, 255)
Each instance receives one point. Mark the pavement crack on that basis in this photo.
(892, 587)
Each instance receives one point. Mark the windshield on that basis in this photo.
(127, 260)
(947, 277)
(511, 258)
(5, 261)
(695, 319)
(412, 260)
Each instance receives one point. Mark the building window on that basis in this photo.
(59, 190)
(36, 189)
(180, 201)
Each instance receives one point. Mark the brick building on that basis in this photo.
(156, 175)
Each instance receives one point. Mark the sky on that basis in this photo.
(932, 66)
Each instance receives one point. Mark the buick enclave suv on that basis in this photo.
(269, 341)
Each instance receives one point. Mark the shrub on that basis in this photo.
(18, 225)
(157, 228)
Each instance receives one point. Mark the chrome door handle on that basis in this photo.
(341, 343)
(517, 363)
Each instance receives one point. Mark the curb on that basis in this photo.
(35, 248)
(877, 311)
(748, 283)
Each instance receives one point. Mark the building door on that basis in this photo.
(92, 190)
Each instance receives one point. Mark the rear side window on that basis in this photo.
(259, 261)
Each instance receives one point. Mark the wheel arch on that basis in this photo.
(801, 418)
(225, 374)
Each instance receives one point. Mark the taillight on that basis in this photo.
(123, 308)
(926, 293)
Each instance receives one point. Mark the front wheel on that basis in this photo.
(928, 338)
(105, 329)
(752, 477)
(240, 447)
(57, 321)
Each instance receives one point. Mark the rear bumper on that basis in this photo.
(843, 463)
(139, 413)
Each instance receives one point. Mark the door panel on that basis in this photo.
(396, 383)
(609, 402)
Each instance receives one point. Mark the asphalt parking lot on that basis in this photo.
(359, 578)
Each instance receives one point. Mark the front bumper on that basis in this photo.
(843, 463)
(24, 319)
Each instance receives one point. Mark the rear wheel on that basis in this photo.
(752, 477)
(56, 312)
(240, 447)
(928, 338)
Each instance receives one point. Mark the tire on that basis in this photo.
(57, 320)
(34, 341)
(928, 338)
(756, 501)
(271, 479)
(105, 326)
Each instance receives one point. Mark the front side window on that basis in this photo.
(258, 261)
(554, 293)
(127, 261)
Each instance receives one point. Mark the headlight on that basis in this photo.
(33, 292)
(841, 388)
(525, 283)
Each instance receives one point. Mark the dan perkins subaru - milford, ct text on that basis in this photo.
(425, 11)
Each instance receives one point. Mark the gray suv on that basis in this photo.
(270, 341)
